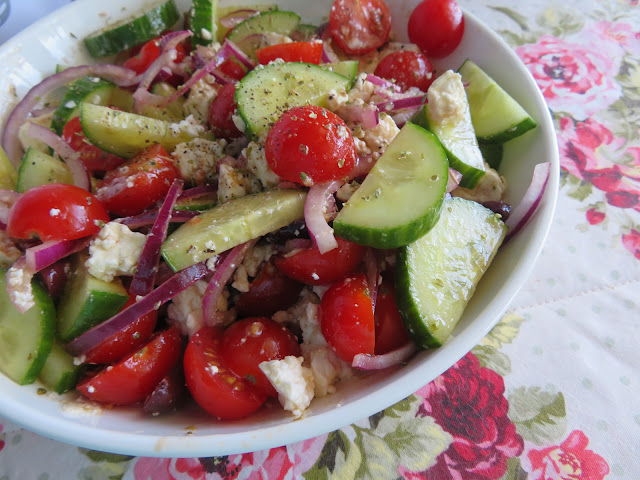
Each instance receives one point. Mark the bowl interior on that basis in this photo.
(34, 53)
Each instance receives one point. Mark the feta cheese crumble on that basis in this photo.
(115, 251)
(293, 382)
(447, 99)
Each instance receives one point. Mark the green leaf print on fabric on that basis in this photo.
(491, 358)
(560, 21)
(515, 470)
(97, 456)
(504, 332)
(376, 451)
(539, 416)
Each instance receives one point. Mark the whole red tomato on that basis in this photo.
(436, 26)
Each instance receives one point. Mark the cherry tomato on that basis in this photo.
(93, 158)
(128, 340)
(250, 341)
(346, 317)
(314, 268)
(132, 379)
(221, 112)
(56, 211)
(212, 384)
(359, 26)
(309, 52)
(436, 26)
(232, 69)
(310, 144)
(148, 53)
(270, 291)
(408, 69)
(139, 183)
(390, 331)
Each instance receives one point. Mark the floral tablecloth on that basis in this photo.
(553, 391)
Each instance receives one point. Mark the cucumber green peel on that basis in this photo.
(401, 197)
(438, 273)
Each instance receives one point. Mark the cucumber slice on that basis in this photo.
(125, 134)
(59, 373)
(437, 274)
(346, 68)
(496, 116)
(86, 89)
(230, 224)
(202, 22)
(305, 32)
(38, 168)
(401, 197)
(172, 112)
(492, 154)
(272, 21)
(457, 136)
(136, 31)
(197, 204)
(266, 92)
(223, 11)
(25, 338)
(8, 174)
(87, 301)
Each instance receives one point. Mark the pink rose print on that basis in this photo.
(569, 461)
(1, 441)
(573, 79)
(468, 402)
(620, 33)
(277, 463)
(631, 242)
(588, 150)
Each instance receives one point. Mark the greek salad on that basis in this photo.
(236, 206)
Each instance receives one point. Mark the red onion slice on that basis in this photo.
(532, 197)
(401, 104)
(78, 171)
(196, 192)
(363, 167)
(381, 82)
(378, 362)
(11, 143)
(148, 218)
(232, 19)
(19, 285)
(144, 278)
(219, 280)
(48, 253)
(314, 208)
(165, 292)
(236, 51)
(328, 55)
(364, 114)
(454, 180)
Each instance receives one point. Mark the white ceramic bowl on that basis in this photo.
(33, 54)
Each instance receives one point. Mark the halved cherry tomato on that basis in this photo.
(221, 112)
(408, 69)
(251, 341)
(347, 317)
(148, 53)
(232, 69)
(269, 292)
(139, 183)
(310, 144)
(93, 158)
(436, 26)
(56, 212)
(314, 268)
(359, 26)
(212, 384)
(309, 52)
(390, 331)
(128, 340)
(132, 379)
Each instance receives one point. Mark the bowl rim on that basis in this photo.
(412, 379)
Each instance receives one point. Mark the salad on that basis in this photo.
(241, 207)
